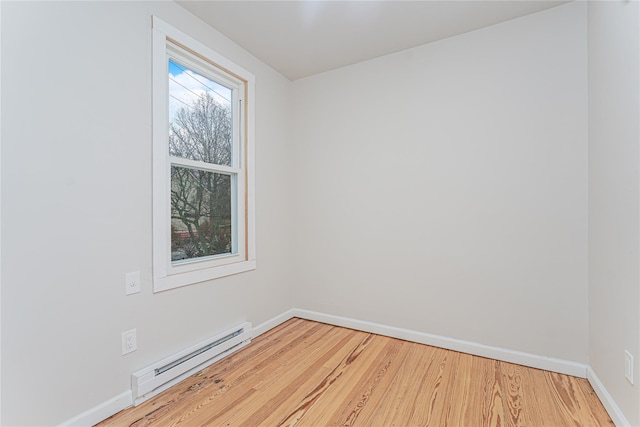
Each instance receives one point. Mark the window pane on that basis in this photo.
(200, 122)
(200, 213)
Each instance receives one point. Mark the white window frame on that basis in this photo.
(169, 42)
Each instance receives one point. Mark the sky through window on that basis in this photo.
(187, 86)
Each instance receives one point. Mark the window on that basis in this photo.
(203, 189)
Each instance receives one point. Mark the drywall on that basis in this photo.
(76, 207)
(443, 189)
(614, 171)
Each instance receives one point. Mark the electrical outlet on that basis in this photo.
(628, 366)
(132, 283)
(129, 341)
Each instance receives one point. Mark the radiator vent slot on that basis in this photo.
(189, 356)
(156, 378)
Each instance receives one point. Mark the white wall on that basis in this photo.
(76, 207)
(441, 189)
(614, 171)
(444, 188)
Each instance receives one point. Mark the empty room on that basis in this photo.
(320, 213)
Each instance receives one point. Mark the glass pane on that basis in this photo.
(200, 213)
(200, 122)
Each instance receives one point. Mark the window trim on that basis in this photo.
(165, 274)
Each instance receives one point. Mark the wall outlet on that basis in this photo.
(132, 283)
(129, 341)
(628, 366)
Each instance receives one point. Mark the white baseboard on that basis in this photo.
(273, 322)
(102, 411)
(124, 400)
(504, 354)
(609, 404)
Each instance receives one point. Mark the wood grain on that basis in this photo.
(304, 373)
(537, 397)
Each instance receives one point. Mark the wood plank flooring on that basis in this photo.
(304, 373)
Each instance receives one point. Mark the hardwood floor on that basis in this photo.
(304, 373)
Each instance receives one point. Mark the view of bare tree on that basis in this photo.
(201, 200)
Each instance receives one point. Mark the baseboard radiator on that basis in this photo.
(158, 377)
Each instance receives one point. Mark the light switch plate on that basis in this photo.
(132, 283)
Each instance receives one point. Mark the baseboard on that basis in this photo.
(609, 404)
(102, 411)
(124, 400)
(273, 322)
(503, 354)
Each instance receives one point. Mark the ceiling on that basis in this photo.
(302, 38)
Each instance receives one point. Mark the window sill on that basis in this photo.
(184, 279)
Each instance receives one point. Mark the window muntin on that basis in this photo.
(203, 162)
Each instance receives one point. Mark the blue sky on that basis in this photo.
(186, 85)
(174, 69)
